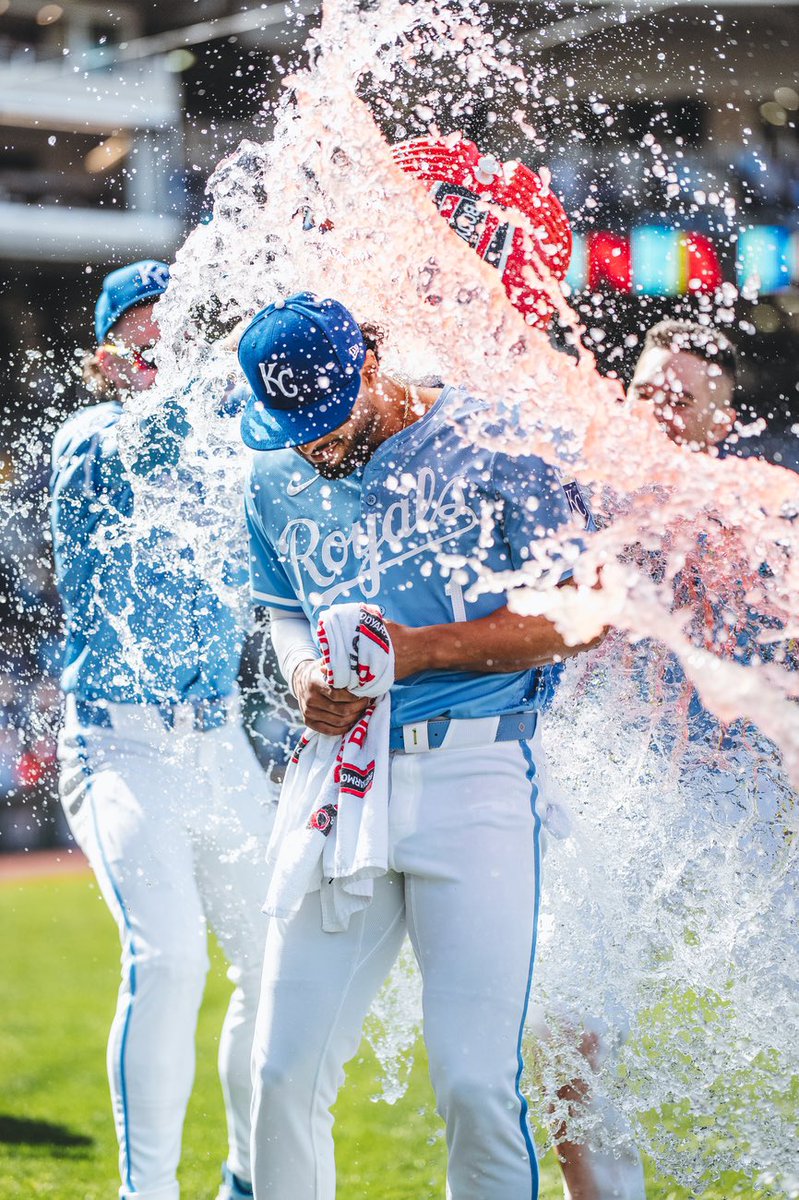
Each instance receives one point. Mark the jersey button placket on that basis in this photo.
(369, 516)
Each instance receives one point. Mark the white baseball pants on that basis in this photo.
(465, 853)
(175, 825)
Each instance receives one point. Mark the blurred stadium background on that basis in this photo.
(671, 131)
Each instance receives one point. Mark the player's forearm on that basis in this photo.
(498, 644)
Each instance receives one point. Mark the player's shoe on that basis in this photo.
(232, 1187)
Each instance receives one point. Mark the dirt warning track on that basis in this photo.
(37, 864)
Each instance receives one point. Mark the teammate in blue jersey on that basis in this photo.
(159, 783)
(362, 488)
(687, 372)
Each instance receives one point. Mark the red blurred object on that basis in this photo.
(30, 769)
(609, 261)
(704, 268)
(457, 175)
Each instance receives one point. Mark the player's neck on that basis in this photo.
(402, 405)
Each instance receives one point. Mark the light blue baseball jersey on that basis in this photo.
(180, 642)
(717, 619)
(413, 531)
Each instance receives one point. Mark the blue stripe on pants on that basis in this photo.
(523, 1113)
(131, 951)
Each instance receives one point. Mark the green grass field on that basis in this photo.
(57, 992)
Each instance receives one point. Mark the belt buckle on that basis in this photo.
(415, 738)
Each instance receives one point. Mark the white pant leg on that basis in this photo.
(466, 835)
(119, 797)
(233, 821)
(316, 991)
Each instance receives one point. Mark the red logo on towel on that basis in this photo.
(323, 818)
(357, 735)
(298, 749)
(324, 646)
(364, 675)
(373, 626)
(353, 781)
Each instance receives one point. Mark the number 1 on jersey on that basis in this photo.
(455, 593)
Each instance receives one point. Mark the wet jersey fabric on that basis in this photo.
(720, 616)
(137, 630)
(426, 530)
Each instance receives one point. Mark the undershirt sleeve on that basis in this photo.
(292, 641)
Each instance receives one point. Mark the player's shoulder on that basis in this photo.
(515, 472)
(447, 433)
(779, 449)
(497, 428)
(82, 426)
(476, 435)
(458, 404)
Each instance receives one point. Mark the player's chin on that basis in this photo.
(335, 470)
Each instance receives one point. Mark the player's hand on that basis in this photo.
(325, 709)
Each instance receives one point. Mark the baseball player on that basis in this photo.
(366, 489)
(159, 783)
(688, 373)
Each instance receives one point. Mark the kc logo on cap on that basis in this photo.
(302, 357)
(125, 288)
(275, 381)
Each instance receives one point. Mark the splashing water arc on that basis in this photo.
(371, 224)
(325, 205)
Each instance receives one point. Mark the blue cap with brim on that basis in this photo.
(125, 288)
(302, 358)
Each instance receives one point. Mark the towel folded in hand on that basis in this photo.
(331, 830)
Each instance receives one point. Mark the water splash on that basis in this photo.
(394, 1024)
(673, 898)
(376, 242)
(676, 894)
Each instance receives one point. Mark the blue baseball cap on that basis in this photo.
(302, 358)
(126, 287)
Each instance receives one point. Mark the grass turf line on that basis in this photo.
(58, 988)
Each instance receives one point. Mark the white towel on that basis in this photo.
(331, 830)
